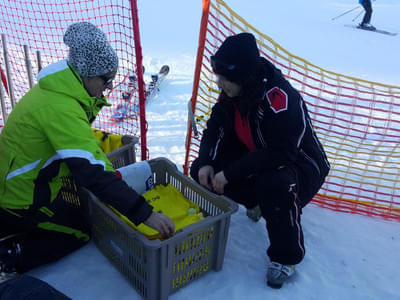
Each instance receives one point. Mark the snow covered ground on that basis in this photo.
(348, 256)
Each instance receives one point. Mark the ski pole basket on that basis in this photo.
(157, 268)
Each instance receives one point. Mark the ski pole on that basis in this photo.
(192, 120)
(346, 12)
(357, 16)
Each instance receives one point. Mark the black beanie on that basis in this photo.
(237, 58)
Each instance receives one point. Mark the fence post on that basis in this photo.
(28, 66)
(8, 71)
(39, 60)
(196, 80)
(141, 85)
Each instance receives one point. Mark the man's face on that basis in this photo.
(230, 88)
(95, 86)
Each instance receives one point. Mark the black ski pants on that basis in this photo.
(281, 194)
(368, 11)
(41, 246)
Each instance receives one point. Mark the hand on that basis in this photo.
(162, 223)
(219, 182)
(206, 176)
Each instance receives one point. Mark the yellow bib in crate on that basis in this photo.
(169, 201)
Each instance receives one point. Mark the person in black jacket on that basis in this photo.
(260, 149)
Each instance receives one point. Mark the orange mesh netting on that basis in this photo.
(39, 25)
(357, 121)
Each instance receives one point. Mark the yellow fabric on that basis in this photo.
(107, 141)
(167, 200)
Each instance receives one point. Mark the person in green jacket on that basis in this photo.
(47, 137)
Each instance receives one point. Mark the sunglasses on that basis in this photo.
(107, 80)
(220, 67)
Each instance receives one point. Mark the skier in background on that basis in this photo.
(365, 23)
(260, 149)
(47, 137)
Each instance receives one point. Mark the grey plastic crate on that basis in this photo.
(158, 268)
(124, 155)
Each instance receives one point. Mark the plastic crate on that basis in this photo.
(158, 268)
(124, 155)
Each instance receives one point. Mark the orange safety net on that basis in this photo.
(32, 37)
(357, 121)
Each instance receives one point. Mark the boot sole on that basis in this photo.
(274, 285)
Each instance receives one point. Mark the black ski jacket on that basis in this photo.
(280, 127)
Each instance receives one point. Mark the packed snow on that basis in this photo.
(347, 256)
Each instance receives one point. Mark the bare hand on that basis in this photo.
(219, 182)
(162, 223)
(206, 176)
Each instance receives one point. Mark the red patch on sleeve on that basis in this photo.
(277, 99)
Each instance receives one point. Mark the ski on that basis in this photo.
(372, 30)
(153, 86)
(127, 109)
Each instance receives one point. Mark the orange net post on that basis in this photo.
(200, 54)
(358, 121)
(39, 26)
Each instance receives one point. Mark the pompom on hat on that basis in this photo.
(237, 58)
(89, 51)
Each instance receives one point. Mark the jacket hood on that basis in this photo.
(269, 71)
(60, 77)
(254, 91)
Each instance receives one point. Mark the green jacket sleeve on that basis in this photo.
(69, 133)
